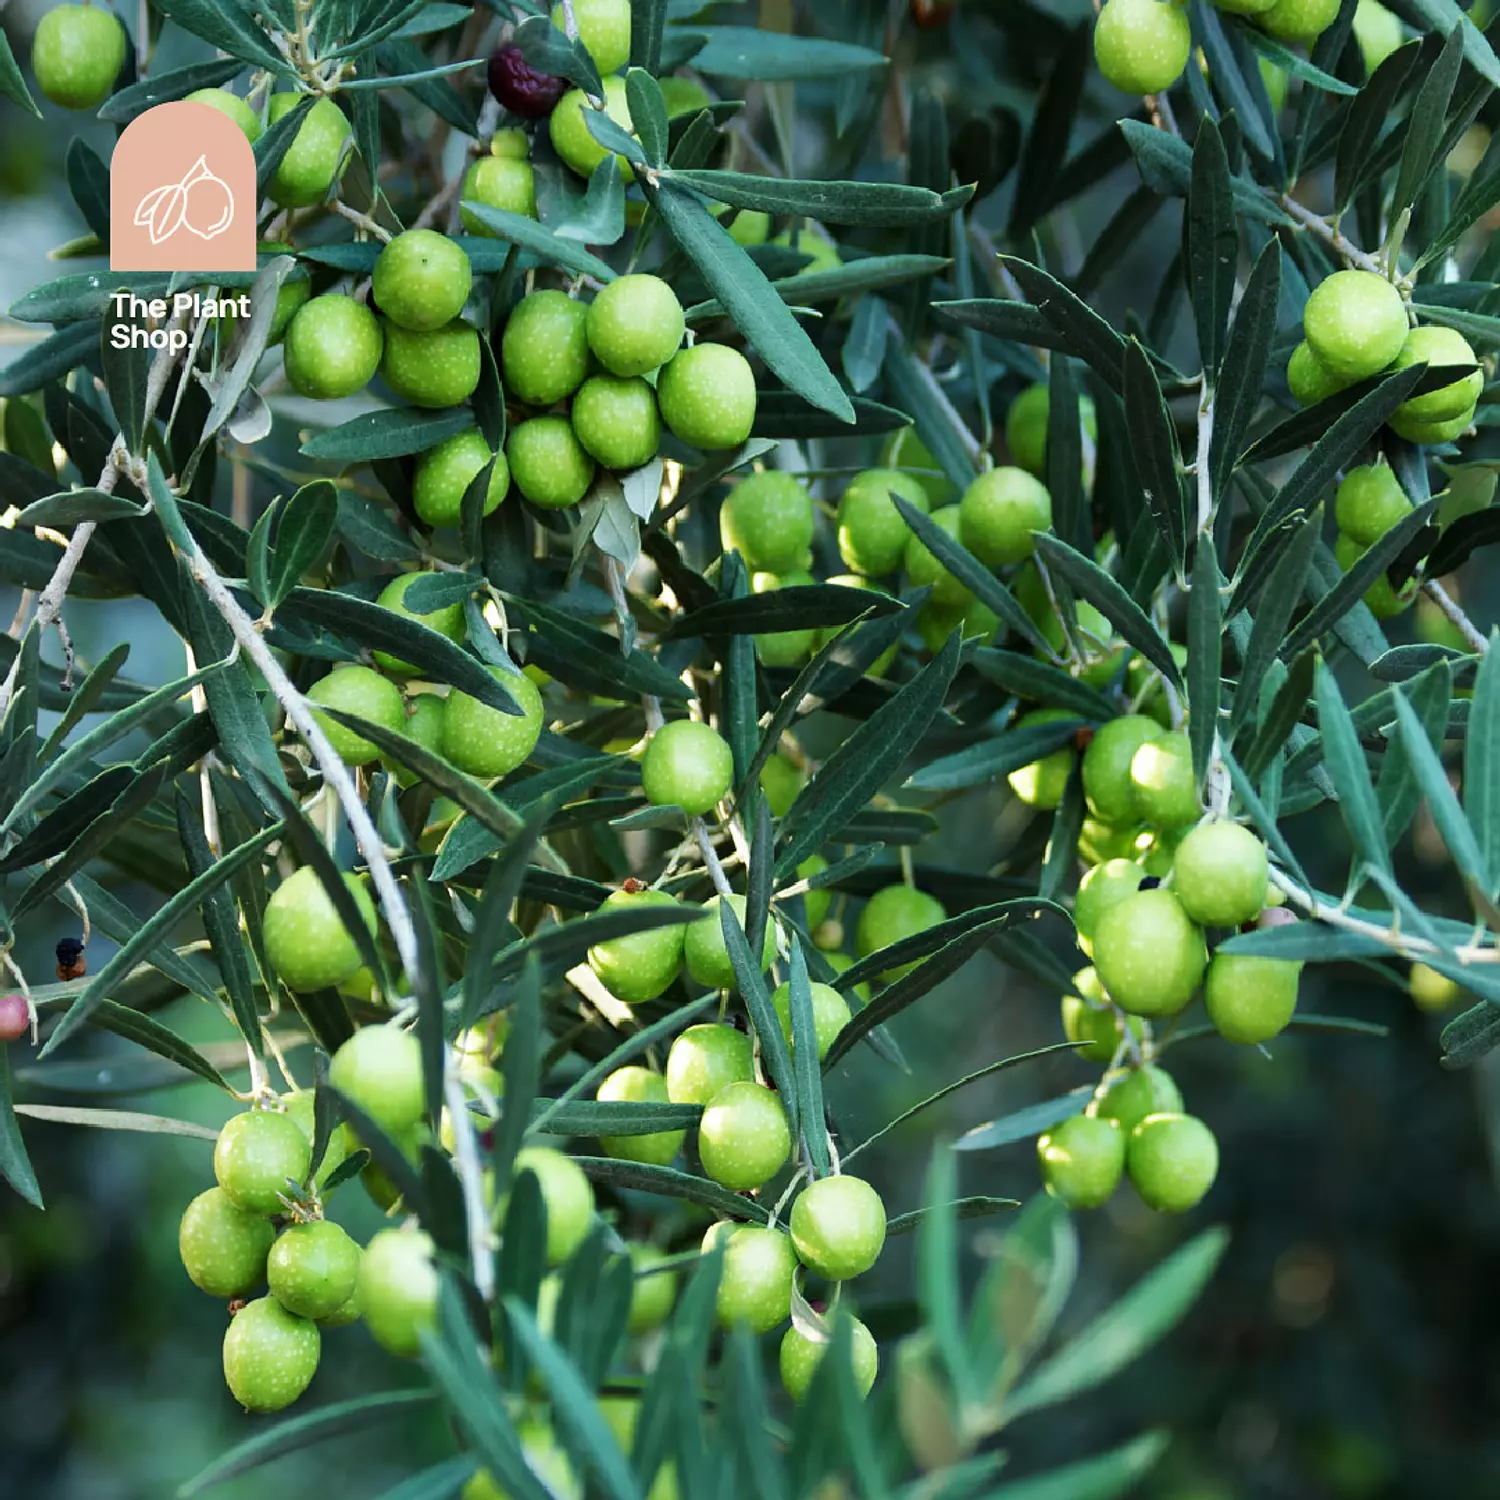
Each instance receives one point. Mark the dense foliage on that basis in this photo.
(622, 518)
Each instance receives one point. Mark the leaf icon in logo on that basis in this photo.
(201, 202)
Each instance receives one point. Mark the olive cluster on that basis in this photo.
(1142, 46)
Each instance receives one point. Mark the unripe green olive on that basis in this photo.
(1355, 321)
(603, 28)
(1435, 346)
(1082, 1160)
(838, 1227)
(77, 53)
(1250, 999)
(707, 396)
(305, 938)
(260, 1157)
(891, 914)
(398, 1290)
(569, 1197)
(1043, 782)
(361, 691)
(923, 567)
(1369, 502)
(872, 536)
(1306, 378)
(616, 420)
(687, 764)
(421, 279)
(1220, 873)
(317, 154)
(298, 1107)
(1142, 46)
(379, 1069)
(653, 1292)
(486, 742)
(1299, 20)
(447, 621)
(223, 1246)
(905, 450)
(1090, 1020)
(1100, 842)
(1377, 31)
(781, 781)
(1026, 427)
(431, 368)
(1106, 766)
(705, 1059)
(635, 324)
(575, 143)
(815, 902)
(1431, 433)
(639, 1085)
(704, 949)
(1101, 887)
(1149, 954)
(1172, 1161)
(743, 1137)
(1384, 602)
(233, 106)
(497, 182)
(544, 351)
(1147, 1090)
(755, 1286)
(313, 1268)
(783, 648)
(1000, 514)
(332, 347)
(639, 966)
(270, 1355)
(548, 463)
(830, 1014)
(1163, 782)
(800, 1357)
(1431, 990)
(768, 519)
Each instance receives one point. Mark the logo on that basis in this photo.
(182, 192)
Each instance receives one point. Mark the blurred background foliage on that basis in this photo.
(1346, 1347)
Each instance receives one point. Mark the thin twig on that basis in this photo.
(1390, 937)
(335, 773)
(466, 1158)
(363, 221)
(1332, 236)
(710, 857)
(1454, 611)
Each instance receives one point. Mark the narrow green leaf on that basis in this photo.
(1154, 453)
(969, 571)
(989, 759)
(1027, 1123)
(1127, 1329)
(1442, 800)
(1424, 124)
(125, 370)
(554, 249)
(871, 274)
(1247, 353)
(757, 311)
(1345, 761)
(1278, 601)
(12, 83)
(1212, 246)
(974, 929)
(797, 607)
(389, 433)
(648, 25)
(668, 1182)
(1091, 582)
(751, 980)
(1093, 340)
(939, 1279)
(1482, 765)
(15, 1164)
(979, 1206)
(154, 928)
(745, 52)
(1041, 682)
(865, 761)
(1102, 1478)
(809, 1075)
(1166, 165)
(1443, 16)
(302, 536)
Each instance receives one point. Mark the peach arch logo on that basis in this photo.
(182, 192)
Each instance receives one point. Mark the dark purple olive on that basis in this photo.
(520, 87)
